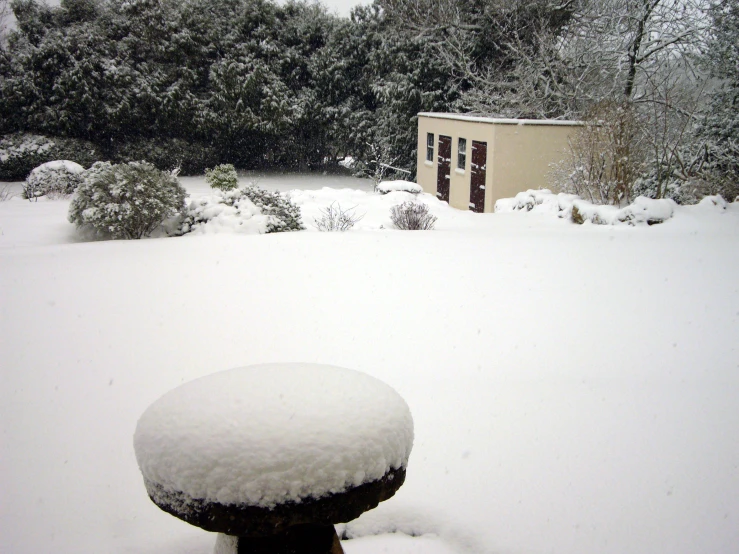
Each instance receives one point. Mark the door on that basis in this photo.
(445, 164)
(478, 167)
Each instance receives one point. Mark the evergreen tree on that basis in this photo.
(720, 125)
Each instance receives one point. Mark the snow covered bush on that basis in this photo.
(249, 209)
(126, 201)
(192, 158)
(643, 211)
(412, 216)
(337, 219)
(222, 211)
(406, 186)
(20, 153)
(285, 216)
(222, 177)
(58, 179)
(537, 201)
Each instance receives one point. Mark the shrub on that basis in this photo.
(412, 216)
(606, 156)
(336, 219)
(223, 211)
(222, 177)
(643, 211)
(267, 212)
(59, 178)
(126, 201)
(285, 214)
(20, 153)
(192, 158)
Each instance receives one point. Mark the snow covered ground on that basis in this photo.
(573, 388)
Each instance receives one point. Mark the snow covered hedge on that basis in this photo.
(247, 210)
(57, 178)
(537, 201)
(126, 201)
(643, 211)
(20, 153)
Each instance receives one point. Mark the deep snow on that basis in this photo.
(574, 388)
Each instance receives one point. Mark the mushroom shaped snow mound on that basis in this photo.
(274, 445)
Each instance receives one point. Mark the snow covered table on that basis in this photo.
(271, 456)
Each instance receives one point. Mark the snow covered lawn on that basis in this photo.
(573, 388)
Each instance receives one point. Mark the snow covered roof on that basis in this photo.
(499, 121)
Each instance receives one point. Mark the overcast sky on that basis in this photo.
(342, 7)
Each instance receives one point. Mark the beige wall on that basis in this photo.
(519, 156)
(523, 157)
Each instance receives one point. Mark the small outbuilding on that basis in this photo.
(472, 161)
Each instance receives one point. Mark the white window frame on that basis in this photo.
(461, 154)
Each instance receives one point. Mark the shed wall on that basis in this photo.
(523, 157)
(459, 186)
(519, 155)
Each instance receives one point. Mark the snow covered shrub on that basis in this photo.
(57, 179)
(605, 156)
(406, 186)
(223, 211)
(336, 219)
(21, 152)
(265, 212)
(542, 201)
(222, 177)
(126, 201)
(643, 211)
(285, 214)
(192, 158)
(412, 216)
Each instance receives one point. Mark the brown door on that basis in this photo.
(478, 166)
(445, 164)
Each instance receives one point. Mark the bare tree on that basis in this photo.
(552, 58)
(669, 106)
(379, 164)
(605, 156)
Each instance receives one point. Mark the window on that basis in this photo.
(461, 153)
(430, 147)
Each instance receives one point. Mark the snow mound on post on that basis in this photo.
(405, 186)
(268, 434)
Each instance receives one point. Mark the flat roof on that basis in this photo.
(499, 121)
